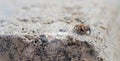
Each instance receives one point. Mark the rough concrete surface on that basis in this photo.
(23, 21)
(13, 48)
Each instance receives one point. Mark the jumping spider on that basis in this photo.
(82, 29)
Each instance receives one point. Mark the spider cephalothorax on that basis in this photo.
(82, 29)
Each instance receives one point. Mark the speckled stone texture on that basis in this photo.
(42, 48)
